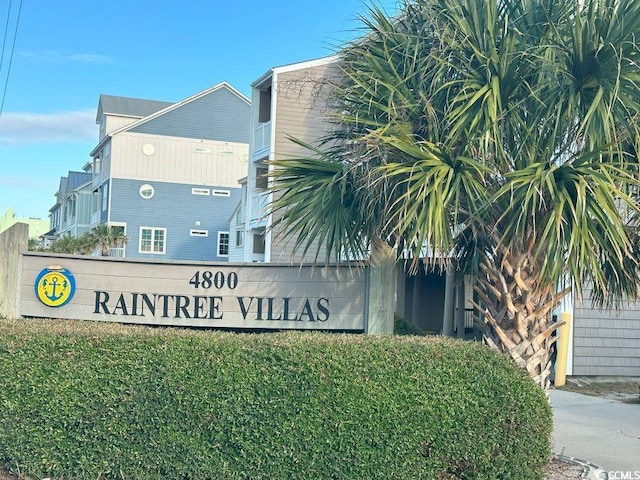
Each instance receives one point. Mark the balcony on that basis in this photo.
(259, 202)
(261, 140)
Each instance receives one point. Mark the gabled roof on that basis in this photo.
(168, 108)
(179, 104)
(128, 107)
(77, 179)
(63, 186)
(290, 67)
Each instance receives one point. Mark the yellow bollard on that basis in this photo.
(562, 346)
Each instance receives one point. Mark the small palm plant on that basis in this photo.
(103, 237)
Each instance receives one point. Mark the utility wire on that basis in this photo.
(4, 40)
(13, 47)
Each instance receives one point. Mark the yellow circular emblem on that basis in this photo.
(55, 286)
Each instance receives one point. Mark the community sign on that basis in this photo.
(220, 295)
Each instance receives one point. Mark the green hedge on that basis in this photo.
(91, 401)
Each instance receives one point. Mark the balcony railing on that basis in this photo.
(116, 252)
(261, 137)
(259, 203)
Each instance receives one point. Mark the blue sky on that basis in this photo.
(68, 52)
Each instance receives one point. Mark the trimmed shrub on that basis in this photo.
(405, 327)
(94, 401)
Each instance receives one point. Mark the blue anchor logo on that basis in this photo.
(55, 286)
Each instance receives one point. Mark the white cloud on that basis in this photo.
(57, 56)
(20, 183)
(90, 58)
(25, 128)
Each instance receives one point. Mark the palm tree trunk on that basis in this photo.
(382, 287)
(516, 309)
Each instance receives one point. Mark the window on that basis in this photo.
(146, 191)
(264, 112)
(258, 243)
(105, 196)
(152, 240)
(223, 244)
(200, 191)
(239, 238)
(199, 233)
(221, 193)
(262, 181)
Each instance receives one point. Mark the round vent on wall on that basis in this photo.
(148, 149)
(146, 191)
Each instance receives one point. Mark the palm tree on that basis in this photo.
(66, 243)
(501, 137)
(103, 237)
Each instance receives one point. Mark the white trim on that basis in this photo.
(290, 67)
(228, 244)
(240, 234)
(104, 201)
(316, 62)
(198, 233)
(146, 186)
(200, 191)
(220, 193)
(153, 230)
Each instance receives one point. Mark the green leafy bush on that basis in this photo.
(405, 327)
(90, 401)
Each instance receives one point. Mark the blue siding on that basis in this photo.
(175, 208)
(220, 115)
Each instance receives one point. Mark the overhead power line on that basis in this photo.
(13, 47)
(6, 31)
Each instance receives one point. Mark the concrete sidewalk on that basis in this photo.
(598, 430)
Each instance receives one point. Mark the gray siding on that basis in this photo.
(220, 115)
(175, 208)
(606, 342)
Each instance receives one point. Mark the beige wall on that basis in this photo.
(266, 296)
(300, 112)
(12, 241)
(114, 122)
(177, 160)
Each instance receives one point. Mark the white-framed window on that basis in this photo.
(200, 191)
(239, 238)
(198, 233)
(146, 191)
(221, 193)
(152, 240)
(223, 244)
(105, 197)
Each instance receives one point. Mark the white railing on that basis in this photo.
(261, 137)
(116, 252)
(259, 210)
(95, 218)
